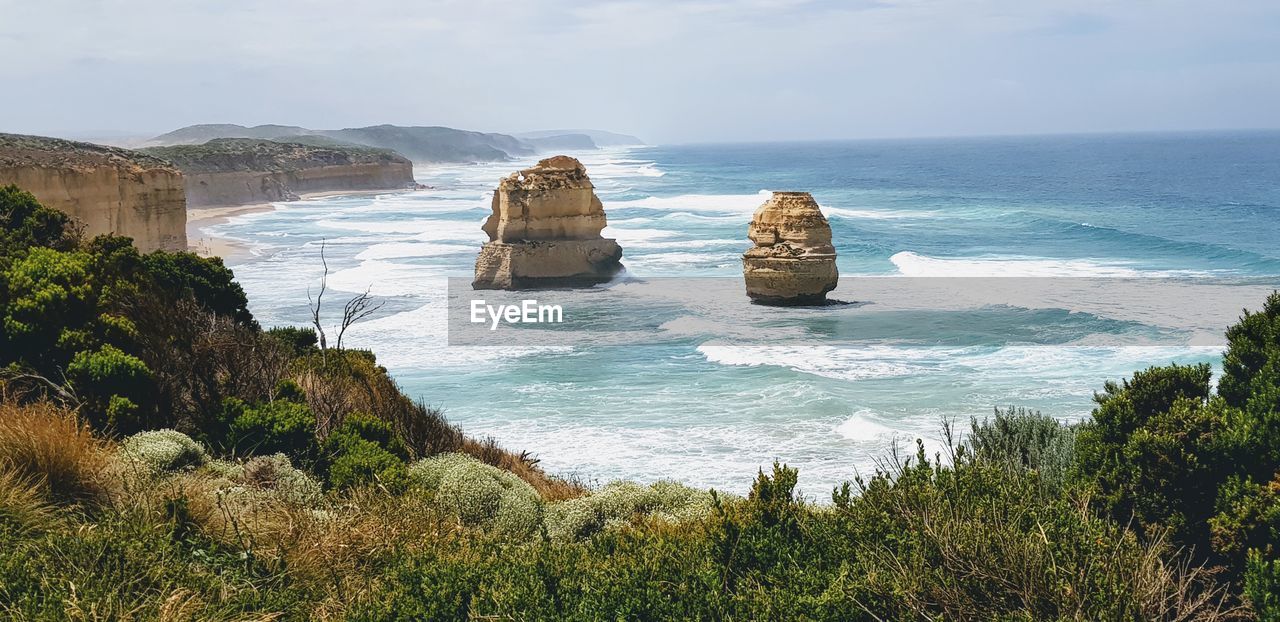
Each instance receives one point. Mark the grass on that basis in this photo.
(49, 447)
(980, 539)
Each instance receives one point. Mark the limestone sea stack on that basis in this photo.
(793, 261)
(545, 231)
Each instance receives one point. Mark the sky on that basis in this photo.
(666, 70)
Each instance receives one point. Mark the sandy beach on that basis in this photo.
(201, 242)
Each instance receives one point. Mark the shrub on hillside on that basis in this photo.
(1262, 586)
(112, 383)
(1153, 450)
(25, 223)
(277, 474)
(275, 427)
(479, 494)
(1026, 439)
(363, 463)
(164, 451)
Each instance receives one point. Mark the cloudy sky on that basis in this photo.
(666, 70)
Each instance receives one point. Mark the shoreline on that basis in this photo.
(204, 244)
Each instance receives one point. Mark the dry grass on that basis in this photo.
(48, 444)
(23, 502)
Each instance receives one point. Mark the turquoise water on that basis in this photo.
(710, 413)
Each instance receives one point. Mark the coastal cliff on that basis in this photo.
(545, 231)
(108, 190)
(242, 171)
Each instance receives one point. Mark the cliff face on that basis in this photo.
(108, 190)
(245, 171)
(793, 261)
(545, 231)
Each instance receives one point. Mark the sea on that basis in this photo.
(709, 410)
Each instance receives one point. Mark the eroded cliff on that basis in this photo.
(243, 171)
(108, 190)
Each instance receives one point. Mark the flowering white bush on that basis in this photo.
(573, 519)
(225, 469)
(619, 503)
(277, 474)
(519, 512)
(427, 473)
(478, 493)
(164, 451)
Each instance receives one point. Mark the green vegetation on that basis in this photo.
(193, 466)
(255, 154)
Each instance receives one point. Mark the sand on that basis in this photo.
(202, 243)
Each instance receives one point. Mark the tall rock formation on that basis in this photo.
(545, 231)
(243, 171)
(793, 261)
(108, 190)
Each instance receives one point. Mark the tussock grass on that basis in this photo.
(48, 445)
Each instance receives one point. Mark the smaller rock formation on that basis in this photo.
(545, 231)
(793, 261)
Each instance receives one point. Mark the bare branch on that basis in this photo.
(356, 309)
(315, 304)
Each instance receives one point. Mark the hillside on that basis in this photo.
(238, 171)
(108, 190)
(600, 137)
(427, 144)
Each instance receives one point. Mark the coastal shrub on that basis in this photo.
(519, 513)
(49, 300)
(275, 427)
(299, 340)
(1152, 450)
(621, 502)
(427, 473)
(476, 493)
(25, 223)
(1262, 586)
(1253, 352)
(360, 462)
(361, 425)
(677, 502)
(1026, 439)
(115, 381)
(289, 391)
(573, 519)
(164, 451)
(276, 473)
(206, 280)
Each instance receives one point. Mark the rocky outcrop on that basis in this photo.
(793, 261)
(108, 190)
(244, 171)
(544, 231)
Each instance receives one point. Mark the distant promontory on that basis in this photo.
(421, 144)
(240, 171)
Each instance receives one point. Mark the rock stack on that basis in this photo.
(545, 231)
(793, 261)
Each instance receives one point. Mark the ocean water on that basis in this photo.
(710, 412)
